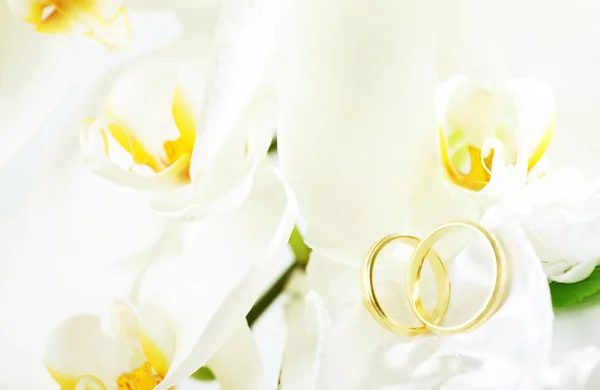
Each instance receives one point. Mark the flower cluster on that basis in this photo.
(160, 160)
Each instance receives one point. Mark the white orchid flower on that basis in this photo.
(190, 123)
(506, 92)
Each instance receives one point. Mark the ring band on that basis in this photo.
(493, 300)
(372, 302)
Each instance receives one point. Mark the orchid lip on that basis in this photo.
(482, 124)
(123, 147)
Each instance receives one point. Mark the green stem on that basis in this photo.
(273, 146)
(301, 255)
(265, 301)
(300, 249)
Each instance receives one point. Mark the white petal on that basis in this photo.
(477, 108)
(142, 99)
(307, 321)
(560, 215)
(76, 214)
(243, 41)
(225, 262)
(237, 364)
(575, 352)
(536, 112)
(433, 200)
(355, 111)
(36, 72)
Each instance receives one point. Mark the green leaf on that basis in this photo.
(567, 294)
(204, 374)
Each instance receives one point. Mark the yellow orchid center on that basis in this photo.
(103, 20)
(455, 154)
(142, 378)
(145, 377)
(177, 153)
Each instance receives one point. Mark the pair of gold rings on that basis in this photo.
(424, 251)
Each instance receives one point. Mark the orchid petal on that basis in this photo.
(560, 214)
(237, 365)
(575, 354)
(355, 112)
(142, 98)
(308, 321)
(433, 200)
(243, 41)
(35, 73)
(536, 111)
(225, 278)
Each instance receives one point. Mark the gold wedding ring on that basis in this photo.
(372, 302)
(424, 251)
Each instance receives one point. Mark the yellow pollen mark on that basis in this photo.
(142, 378)
(174, 150)
(542, 145)
(65, 381)
(477, 177)
(155, 355)
(186, 124)
(58, 16)
(128, 141)
(184, 118)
